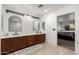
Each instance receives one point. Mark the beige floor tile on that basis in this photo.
(44, 49)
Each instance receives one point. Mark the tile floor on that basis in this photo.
(66, 44)
(44, 49)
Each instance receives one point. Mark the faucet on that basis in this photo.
(15, 33)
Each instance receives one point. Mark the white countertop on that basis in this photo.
(10, 36)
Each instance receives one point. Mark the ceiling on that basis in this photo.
(34, 9)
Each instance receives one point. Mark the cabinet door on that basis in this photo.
(16, 43)
(39, 38)
(7, 45)
(30, 40)
(43, 37)
(23, 42)
(20, 42)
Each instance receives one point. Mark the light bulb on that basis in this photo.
(45, 10)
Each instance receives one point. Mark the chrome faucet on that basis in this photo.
(15, 33)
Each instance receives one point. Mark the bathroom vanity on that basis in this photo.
(11, 44)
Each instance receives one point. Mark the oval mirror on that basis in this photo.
(36, 26)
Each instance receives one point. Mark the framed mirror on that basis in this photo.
(36, 26)
(43, 25)
(15, 24)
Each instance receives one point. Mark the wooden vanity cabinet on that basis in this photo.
(9, 45)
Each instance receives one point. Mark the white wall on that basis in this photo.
(0, 16)
(27, 22)
(0, 24)
(77, 31)
(50, 24)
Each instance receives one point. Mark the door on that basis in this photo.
(51, 29)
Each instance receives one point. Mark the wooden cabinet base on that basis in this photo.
(9, 45)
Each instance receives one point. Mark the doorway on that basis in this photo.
(66, 31)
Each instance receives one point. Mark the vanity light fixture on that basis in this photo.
(22, 14)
